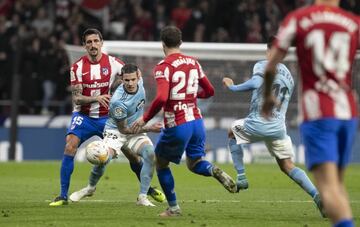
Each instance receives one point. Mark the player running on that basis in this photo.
(255, 128)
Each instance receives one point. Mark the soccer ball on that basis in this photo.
(97, 153)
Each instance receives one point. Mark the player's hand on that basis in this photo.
(104, 100)
(268, 106)
(155, 127)
(227, 81)
(137, 125)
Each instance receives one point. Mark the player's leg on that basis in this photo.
(141, 146)
(297, 175)
(112, 144)
(328, 144)
(96, 173)
(195, 151)
(82, 128)
(136, 166)
(235, 134)
(282, 150)
(171, 139)
(335, 202)
(67, 167)
(167, 183)
(301, 178)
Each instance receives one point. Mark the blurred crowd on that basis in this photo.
(45, 26)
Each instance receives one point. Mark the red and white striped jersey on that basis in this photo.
(326, 40)
(178, 80)
(96, 79)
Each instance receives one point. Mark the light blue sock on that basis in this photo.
(97, 172)
(67, 167)
(299, 176)
(237, 155)
(147, 170)
(167, 183)
(345, 223)
(203, 168)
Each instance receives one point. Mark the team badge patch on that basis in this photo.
(118, 111)
(105, 71)
(159, 74)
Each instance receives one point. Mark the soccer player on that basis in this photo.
(126, 105)
(90, 78)
(255, 128)
(178, 78)
(326, 39)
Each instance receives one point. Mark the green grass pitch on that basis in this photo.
(272, 199)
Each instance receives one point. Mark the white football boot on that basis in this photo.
(143, 200)
(85, 192)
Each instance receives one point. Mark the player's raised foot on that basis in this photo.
(171, 212)
(224, 179)
(156, 194)
(59, 201)
(85, 192)
(241, 182)
(319, 205)
(143, 200)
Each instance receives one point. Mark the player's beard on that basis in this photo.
(93, 52)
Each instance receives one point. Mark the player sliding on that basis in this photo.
(178, 77)
(126, 105)
(255, 128)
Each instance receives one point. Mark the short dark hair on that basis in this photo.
(171, 36)
(270, 41)
(90, 31)
(129, 68)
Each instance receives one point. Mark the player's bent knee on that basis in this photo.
(147, 152)
(72, 143)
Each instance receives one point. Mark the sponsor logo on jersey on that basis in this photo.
(96, 85)
(105, 71)
(140, 105)
(183, 106)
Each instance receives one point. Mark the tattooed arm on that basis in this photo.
(79, 99)
(155, 127)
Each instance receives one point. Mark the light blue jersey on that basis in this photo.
(124, 105)
(283, 87)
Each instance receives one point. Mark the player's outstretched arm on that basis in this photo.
(79, 99)
(253, 83)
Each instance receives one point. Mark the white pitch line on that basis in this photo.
(203, 201)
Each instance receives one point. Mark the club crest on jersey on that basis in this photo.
(105, 71)
(140, 105)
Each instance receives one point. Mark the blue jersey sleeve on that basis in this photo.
(254, 83)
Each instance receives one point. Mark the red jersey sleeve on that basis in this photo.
(74, 78)
(161, 74)
(207, 88)
(287, 32)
